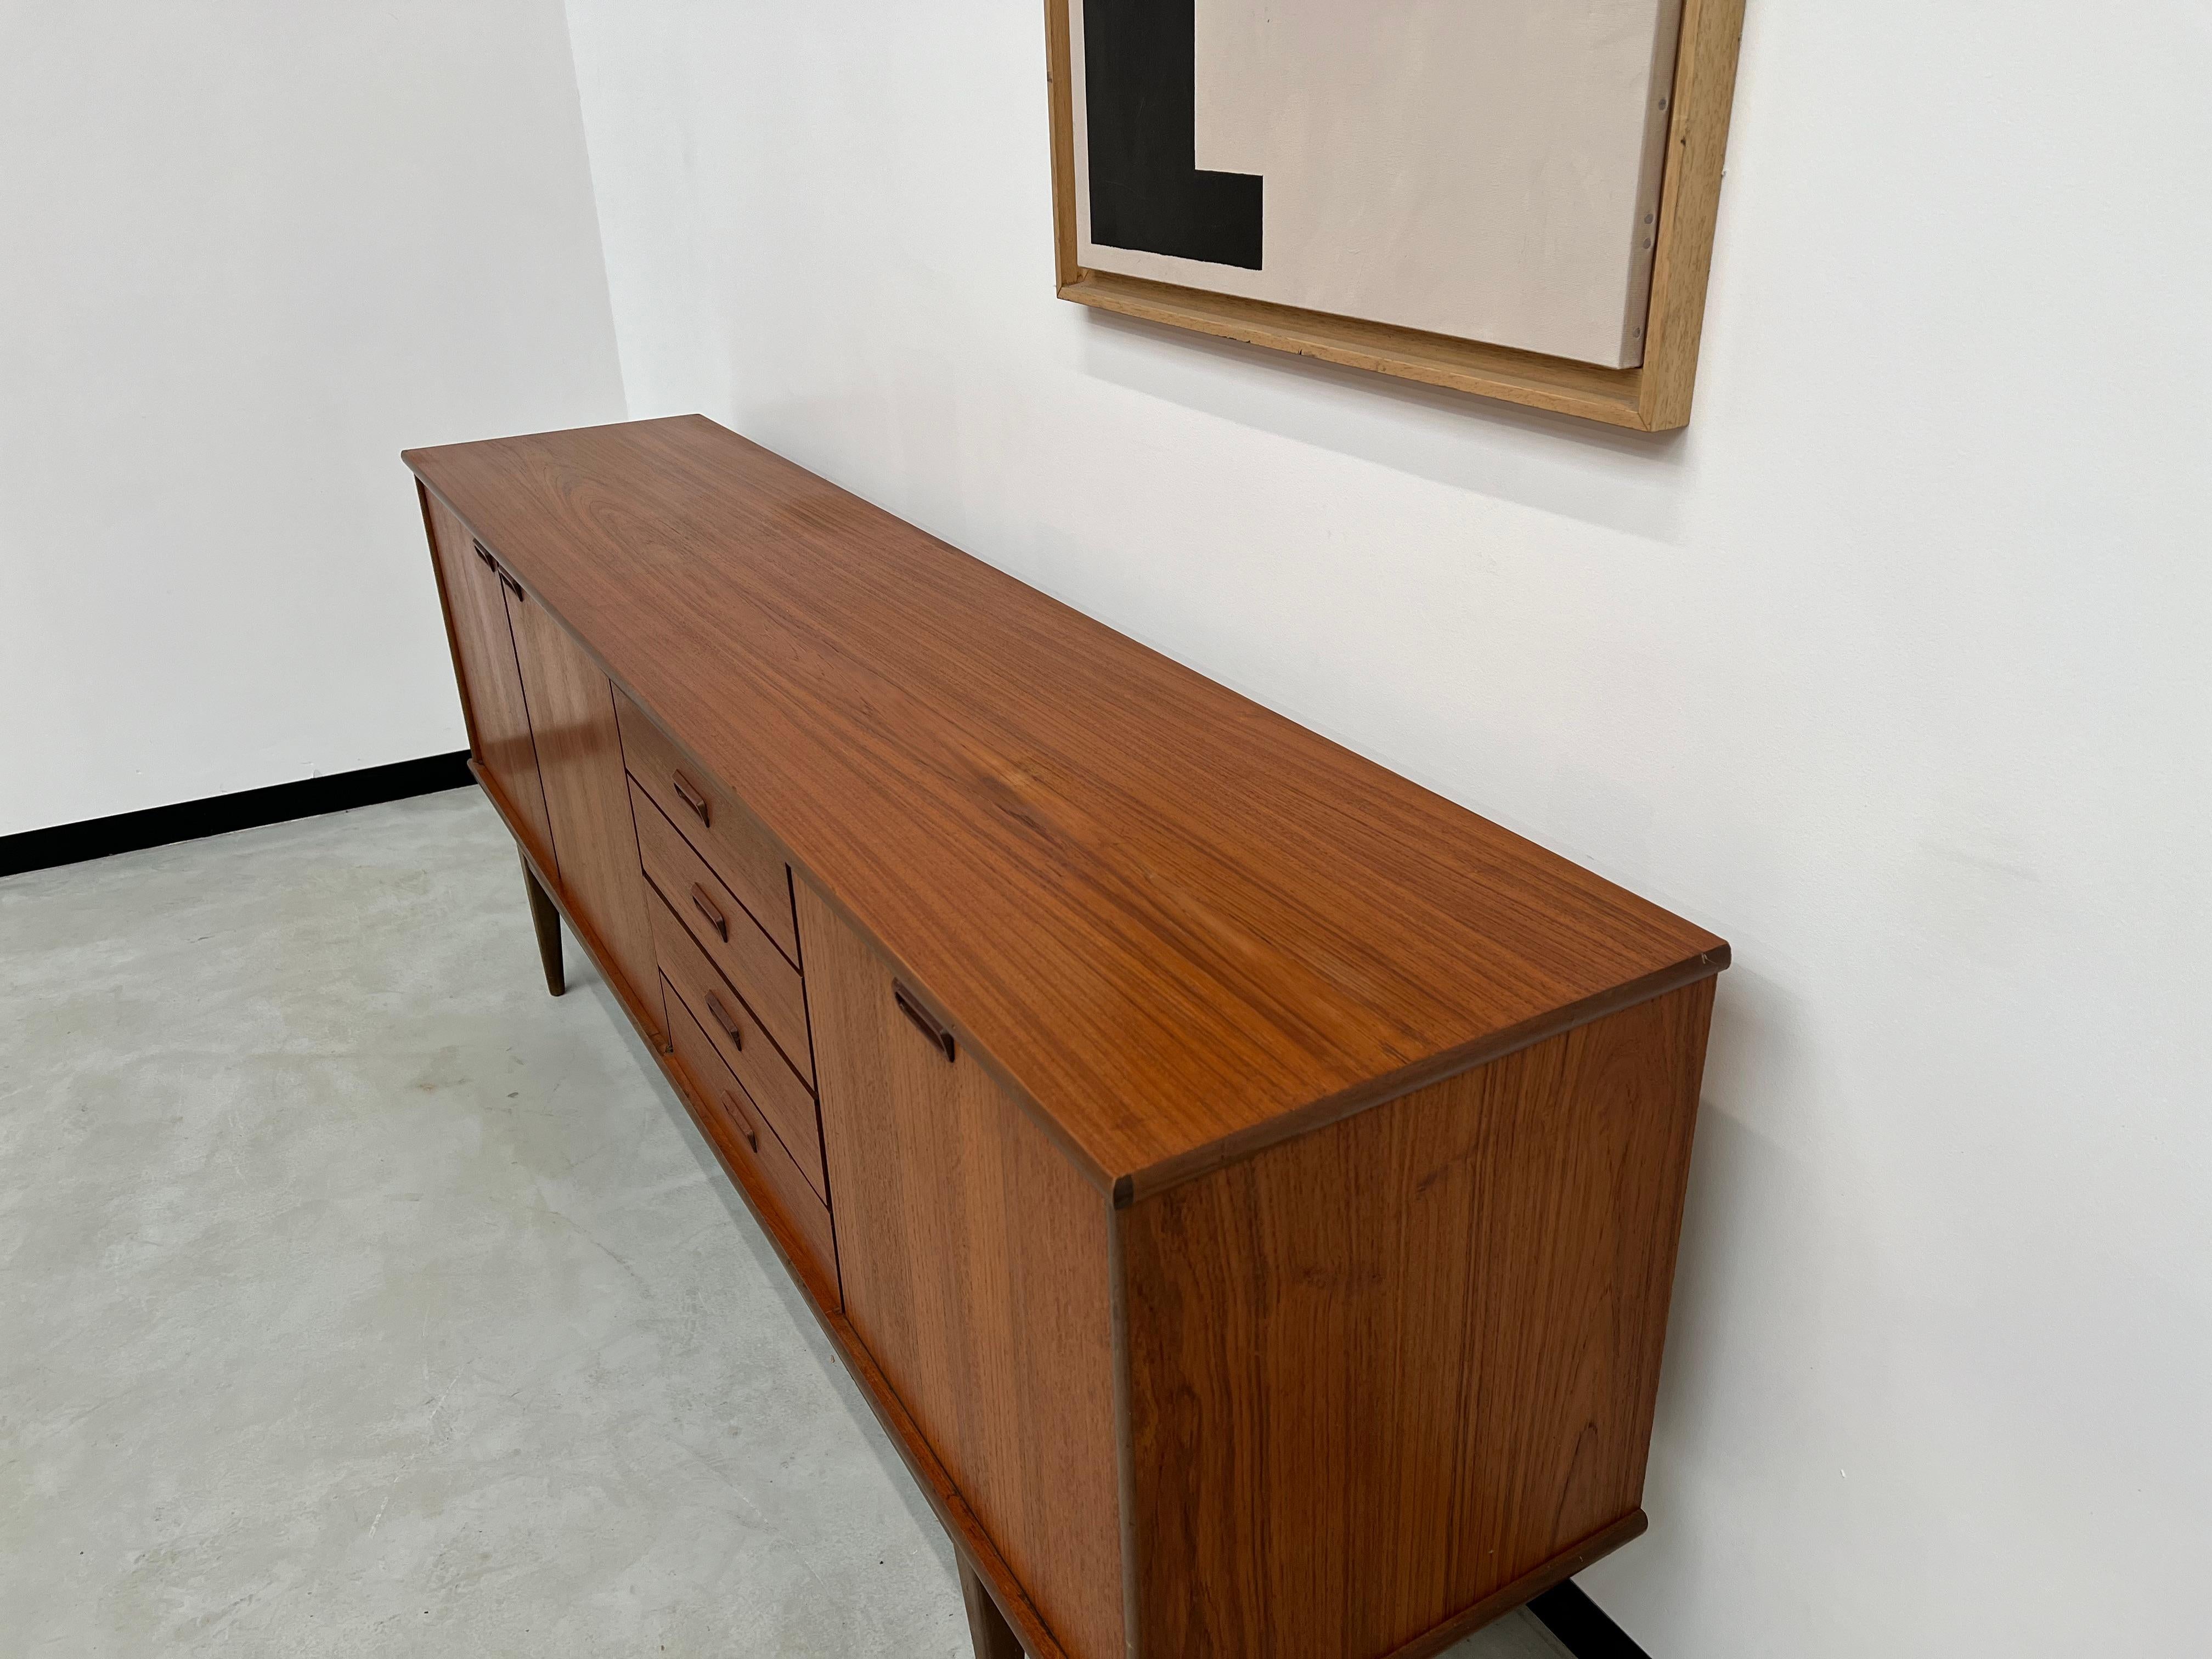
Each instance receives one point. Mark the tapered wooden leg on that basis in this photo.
(995, 1638)
(547, 920)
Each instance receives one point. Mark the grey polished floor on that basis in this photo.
(357, 1298)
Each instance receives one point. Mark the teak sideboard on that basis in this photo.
(1246, 1185)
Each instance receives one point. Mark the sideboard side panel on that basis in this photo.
(975, 1263)
(572, 716)
(1382, 1373)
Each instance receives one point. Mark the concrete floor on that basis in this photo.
(357, 1298)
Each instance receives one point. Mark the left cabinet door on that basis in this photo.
(491, 681)
(579, 756)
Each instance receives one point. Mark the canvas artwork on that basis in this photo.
(1485, 171)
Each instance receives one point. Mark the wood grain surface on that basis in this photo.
(1689, 209)
(490, 682)
(744, 955)
(741, 853)
(786, 1102)
(572, 716)
(819, 1290)
(1520, 1591)
(1381, 1373)
(732, 1120)
(642, 1004)
(1178, 925)
(988, 1630)
(974, 1264)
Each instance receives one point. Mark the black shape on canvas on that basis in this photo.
(1141, 107)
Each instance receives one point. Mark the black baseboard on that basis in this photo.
(218, 815)
(1581, 1627)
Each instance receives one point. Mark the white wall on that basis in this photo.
(249, 249)
(1892, 670)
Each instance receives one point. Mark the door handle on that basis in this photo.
(722, 1017)
(744, 1121)
(693, 798)
(712, 911)
(926, 1023)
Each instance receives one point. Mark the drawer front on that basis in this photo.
(750, 1144)
(739, 852)
(744, 1048)
(710, 912)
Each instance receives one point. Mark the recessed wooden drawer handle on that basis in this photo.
(730, 1027)
(709, 910)
(743, 1120)
(928, 1024)
(514, 587)
(692, 798)
(484, 553)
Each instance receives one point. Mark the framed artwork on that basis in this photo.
(1510, 198)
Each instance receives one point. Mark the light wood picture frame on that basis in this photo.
(1654, 396)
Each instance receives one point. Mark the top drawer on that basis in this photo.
(720, 832)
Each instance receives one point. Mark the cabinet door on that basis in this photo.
(491, 685)
(572, 715)
(975, 1259)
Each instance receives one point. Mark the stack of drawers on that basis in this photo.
(726, 942)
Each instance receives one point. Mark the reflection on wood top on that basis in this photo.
(1183, 926)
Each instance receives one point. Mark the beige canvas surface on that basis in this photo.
(1480, 169)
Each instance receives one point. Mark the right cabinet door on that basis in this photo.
(491, 684)
(976, 1266)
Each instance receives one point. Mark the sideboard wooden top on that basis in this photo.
(1183, 926)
